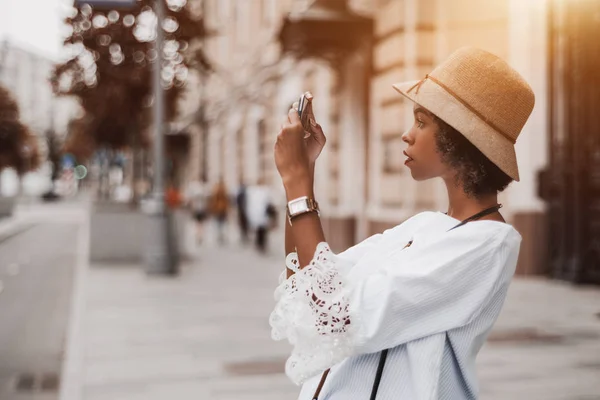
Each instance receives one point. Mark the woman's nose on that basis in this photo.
(406, 137)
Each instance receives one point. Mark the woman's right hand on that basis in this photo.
(315, 141)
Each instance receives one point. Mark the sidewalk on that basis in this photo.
(545, 345)
(201, 335)
(9, 227)
(205, 335)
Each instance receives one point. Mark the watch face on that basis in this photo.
(297, 206)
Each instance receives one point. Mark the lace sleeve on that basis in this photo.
(292, 263)
(313, 313)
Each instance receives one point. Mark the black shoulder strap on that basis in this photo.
(382, 358)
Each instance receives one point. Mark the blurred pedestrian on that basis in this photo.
(197, 199)
(173, 197)
(241, 200)
(219, 208)
(258, 206)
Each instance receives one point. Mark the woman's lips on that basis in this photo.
(408, 158)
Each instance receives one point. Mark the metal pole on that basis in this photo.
(203, 97)
(3, 56)
(161, 254)
(159, 107)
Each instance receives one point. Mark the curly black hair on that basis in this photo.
(476, 173)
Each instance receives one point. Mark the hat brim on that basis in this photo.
(442, 104)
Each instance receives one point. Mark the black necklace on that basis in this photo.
(479, 215)
(475, 217)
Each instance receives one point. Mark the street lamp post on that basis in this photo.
(160, 256)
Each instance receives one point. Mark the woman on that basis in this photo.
(197, 199)
(259, 199)
(219, 208)
(403, 314)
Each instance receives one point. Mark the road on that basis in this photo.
(36, 276)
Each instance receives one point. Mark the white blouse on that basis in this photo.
(432, 304)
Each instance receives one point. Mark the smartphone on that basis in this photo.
(303, 113)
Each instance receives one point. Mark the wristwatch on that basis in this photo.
(301, 205)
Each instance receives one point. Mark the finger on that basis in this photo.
(308, 112)
(282, 130)
(295, 106)
(318, 133)
(313, 126)
(316, 128)
(293, 110)
(308, 109)
(293, 116)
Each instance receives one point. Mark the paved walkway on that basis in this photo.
(205, 335)
(201, 335)
(545, 345)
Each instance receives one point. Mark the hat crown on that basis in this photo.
(490, 87)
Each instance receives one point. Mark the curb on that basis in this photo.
(11, 227)
(72, 372)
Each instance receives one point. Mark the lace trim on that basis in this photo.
(292, 262)
(313, 313)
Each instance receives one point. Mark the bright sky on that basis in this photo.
(34, 24)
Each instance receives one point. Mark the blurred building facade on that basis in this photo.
(361, 183)
(248, 97)
(242, 96)
(26, 74)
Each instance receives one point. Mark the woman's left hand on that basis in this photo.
(291, 156)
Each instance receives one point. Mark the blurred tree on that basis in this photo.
(55, 154)
(18, 145)
(110, 70)
(78, 142)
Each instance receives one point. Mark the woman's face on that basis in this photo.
(423, 158)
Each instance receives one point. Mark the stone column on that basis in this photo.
(528, 54)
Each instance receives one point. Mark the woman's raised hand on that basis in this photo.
(291, 151)
(314, 137)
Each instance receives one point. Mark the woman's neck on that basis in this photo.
(461, 206)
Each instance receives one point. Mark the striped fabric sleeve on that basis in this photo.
(355, 253)
(432, 287)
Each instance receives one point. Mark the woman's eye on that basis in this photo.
(420, 124)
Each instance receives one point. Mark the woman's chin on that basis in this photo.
(418, 176)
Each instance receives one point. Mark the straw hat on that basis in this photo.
(482, 97)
